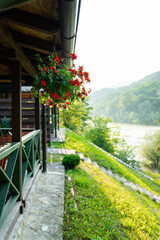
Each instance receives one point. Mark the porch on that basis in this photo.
(28, 27)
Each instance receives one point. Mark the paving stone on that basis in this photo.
(60, 136)
(60, 151)
(109, 172)
(87, 159)
(44, 220)
(95, 164)
(158, 199)
(81, 155)
(103, 169)
(123, 179)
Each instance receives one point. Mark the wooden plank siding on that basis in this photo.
(28, 113)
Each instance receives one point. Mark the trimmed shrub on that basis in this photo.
(71, 161)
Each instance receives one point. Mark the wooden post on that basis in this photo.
(58, 117)
(44, 137)
(55, 120)
(17, 117)
(52, 120)
(37, 114)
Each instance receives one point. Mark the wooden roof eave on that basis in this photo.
(8, 4)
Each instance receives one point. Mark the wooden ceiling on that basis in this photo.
(24, 31)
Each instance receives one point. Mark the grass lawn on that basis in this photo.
(80, 144)
(106, 209)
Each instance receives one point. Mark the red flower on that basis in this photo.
(73, 82)
(77, 82)
(73, 56)
(69, 94)
(85, 93)
(53, 68)
(64, 107)
(43, 83)
(59, 106)
(86, 75)
(56, 58)
(65, 98)
(55, 95)
(80, 68)
(44, 69)
(67, 103)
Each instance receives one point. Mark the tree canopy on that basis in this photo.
(138, 103)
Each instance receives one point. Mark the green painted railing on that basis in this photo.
(10, 185)
(30, 154)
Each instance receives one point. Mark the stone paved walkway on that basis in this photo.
(44, 216)
(60, 136)
(60, 151)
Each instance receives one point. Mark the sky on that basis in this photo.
(118, 41)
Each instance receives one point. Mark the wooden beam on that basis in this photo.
(31, 53)
(7, 4)
(5, 61)
(23, 77)
(34, 43)
(32, 21)
(7, 52)
(6, 39)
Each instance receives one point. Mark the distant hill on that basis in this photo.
(138, 103)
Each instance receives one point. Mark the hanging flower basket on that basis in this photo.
(59, 84)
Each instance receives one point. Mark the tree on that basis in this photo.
(99, 133)
(75, 118)
(150, 150)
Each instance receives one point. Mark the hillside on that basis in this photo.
(100, 205)
(138, 103)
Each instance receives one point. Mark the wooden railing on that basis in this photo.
(10, 171)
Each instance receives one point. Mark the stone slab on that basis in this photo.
(44, 216)
(60, 151)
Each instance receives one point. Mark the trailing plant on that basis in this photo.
(5, 123)
(71, 161)
(57, 83)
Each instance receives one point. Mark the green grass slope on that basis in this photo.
(106, 209)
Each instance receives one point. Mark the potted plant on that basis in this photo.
(6, 138)
(59, 84)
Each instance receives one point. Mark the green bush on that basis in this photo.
(71, 161)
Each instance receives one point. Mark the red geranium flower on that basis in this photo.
(56, 58)
(43, 83)
(55, 95)
(65, 98)
(77, 82)
(73, 56)
(53, 68)
(44, 69)
(67, 103)
(69, 94)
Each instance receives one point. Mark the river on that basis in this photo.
(134, 134)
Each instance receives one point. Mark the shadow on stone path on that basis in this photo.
(44, 215)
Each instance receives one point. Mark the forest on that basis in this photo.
(138, 103)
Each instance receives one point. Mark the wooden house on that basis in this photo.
(28, 27)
